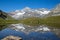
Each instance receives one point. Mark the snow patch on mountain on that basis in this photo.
(17, 15)
(45, 12)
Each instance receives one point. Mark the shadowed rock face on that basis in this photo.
(3, 15)
(55, 11)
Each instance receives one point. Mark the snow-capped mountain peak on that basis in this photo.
(17, 10)
(28, 12)
(26, 9)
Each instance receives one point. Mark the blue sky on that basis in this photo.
(11, 5)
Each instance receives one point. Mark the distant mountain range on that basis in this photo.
(29, 12)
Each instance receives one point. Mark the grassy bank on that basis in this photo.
(53, 21)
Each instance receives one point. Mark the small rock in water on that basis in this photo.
(12, 38)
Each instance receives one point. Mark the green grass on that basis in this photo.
(53, 21)
(34, 21)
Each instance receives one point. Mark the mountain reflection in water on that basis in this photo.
(30, 36)
(27, 28)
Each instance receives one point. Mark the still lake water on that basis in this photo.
(30, 36)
